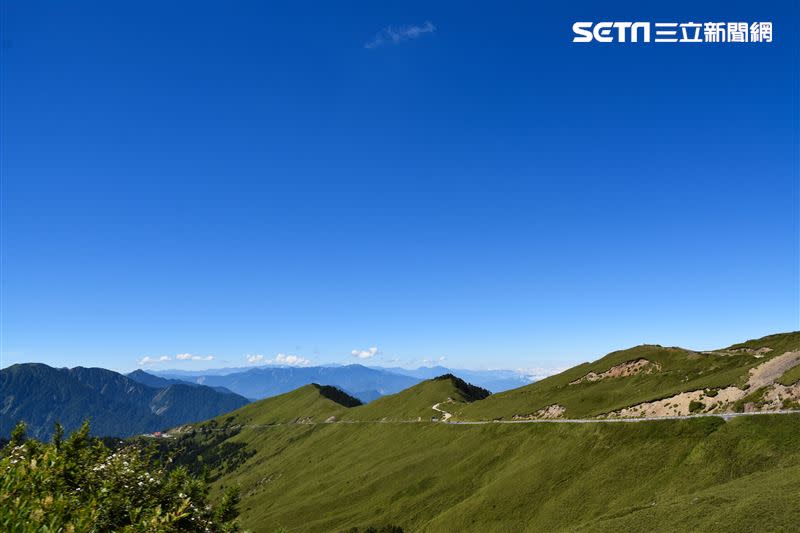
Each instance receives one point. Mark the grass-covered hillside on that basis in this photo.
(648, 373)
(215, 447)
(313, 460)
(308, 404)
(415, 403)
(686, 475)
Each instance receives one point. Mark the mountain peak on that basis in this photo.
(337, 395)
(470, 392)
(417, 402)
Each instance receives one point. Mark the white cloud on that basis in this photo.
(291, 360)
(538, 372)
(365, 354)
(398, 34)
(190, 357)
(147, 360)
(255, 358)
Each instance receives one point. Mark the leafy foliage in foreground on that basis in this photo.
(79, 484)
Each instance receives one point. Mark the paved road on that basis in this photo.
(726, 416)
(445, 415)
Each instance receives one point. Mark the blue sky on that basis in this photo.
(434, 180)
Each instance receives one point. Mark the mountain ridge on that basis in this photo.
(365, 382)
(116, 405)
(644, 374)
(267, 381)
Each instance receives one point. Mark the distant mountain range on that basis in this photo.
(142, 402)
(151, 380)
(362, 382)
(493, 380)
(116, 405)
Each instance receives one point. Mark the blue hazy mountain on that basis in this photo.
(493, 380)
(115, 404)
(151, 380)
(365, 383)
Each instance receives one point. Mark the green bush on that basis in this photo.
(79, 484)
(695, 406)
(790, 404)
(756, 397)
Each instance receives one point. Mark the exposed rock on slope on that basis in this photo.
(547, 413)
(654, 380)
(762, 392)
(631, 368)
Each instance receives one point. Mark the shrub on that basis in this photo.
(790, 404)
(79, 484)
(695, 406)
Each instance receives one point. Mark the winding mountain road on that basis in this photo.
(445, 415)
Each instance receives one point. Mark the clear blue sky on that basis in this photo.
(240, 178)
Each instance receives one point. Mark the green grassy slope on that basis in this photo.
(703, 474)
(311, 403)
(416, 402)
(698, 475)
(214, 446)
(779, 342)
(790, 377)
(681, 370)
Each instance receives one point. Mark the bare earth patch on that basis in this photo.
(769, 371)
(546, 413)
(630, 368)
(758, 353)
(673, 406)
(764, 375)
(776, 395)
